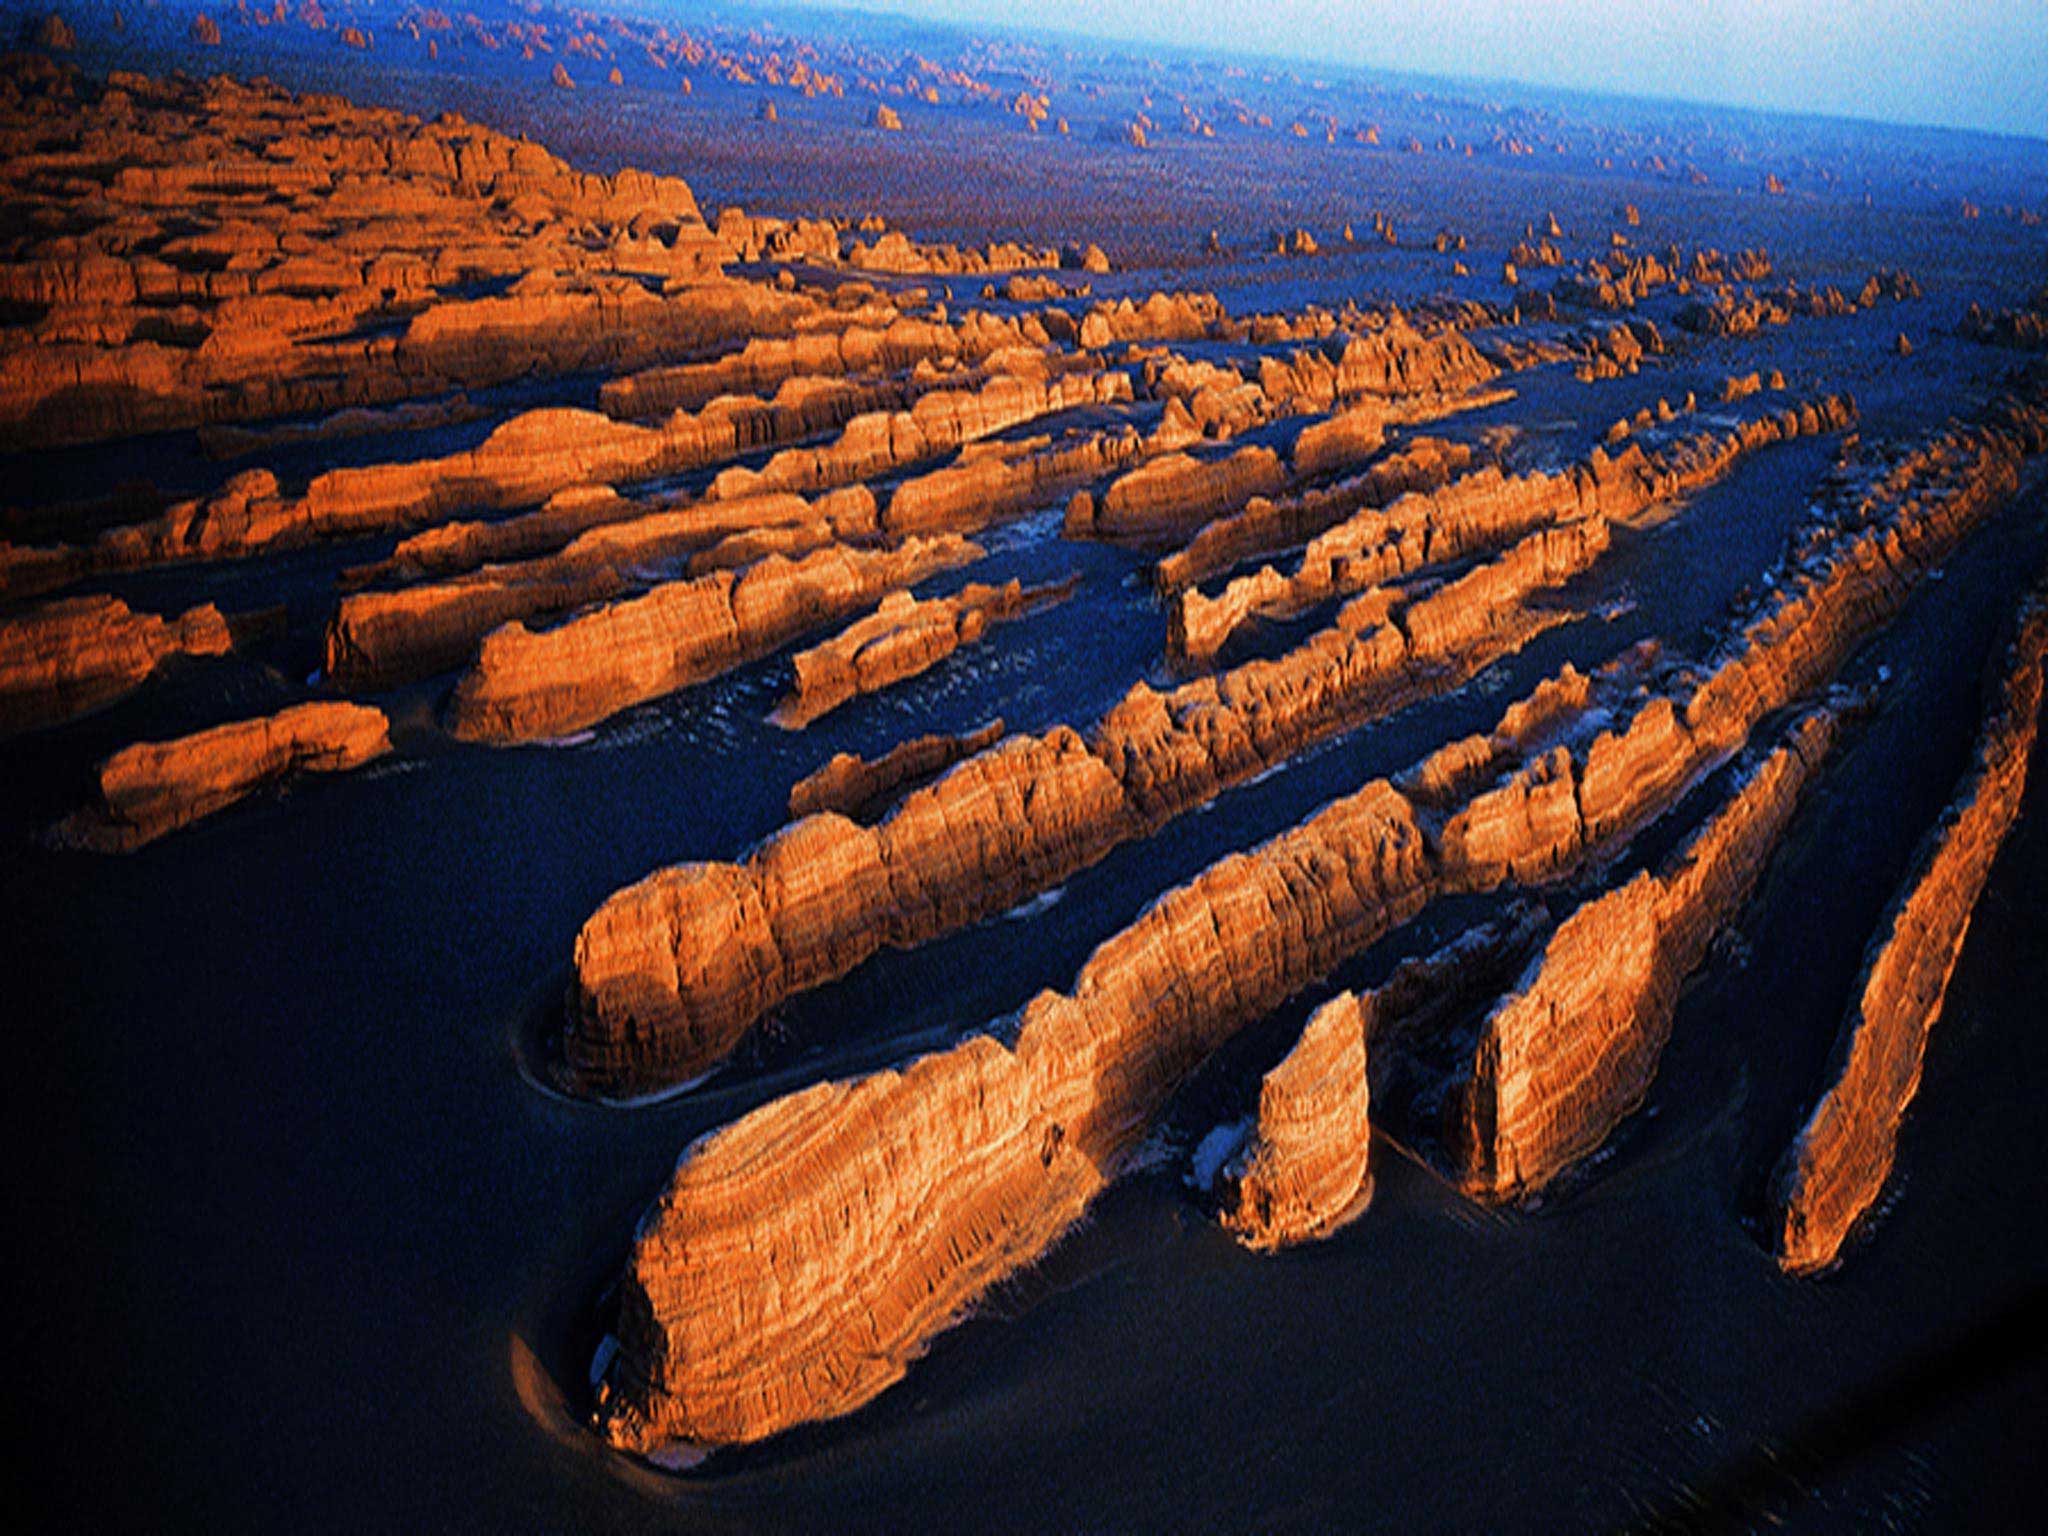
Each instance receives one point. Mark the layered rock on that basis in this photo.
(800, 1257)
(902, 638)
(1566, 1055)
(1269, 525)
(67, 658)
(526, 685)
(875, 341)
(1011, 823)
(1306, 1168)
(152, 788)
(260, 254)
(1484, 508)
(1172, 496)
(859, 789)
(1837, 1167)
(380, 638)
(739, 1304)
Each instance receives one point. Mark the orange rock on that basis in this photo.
(1570, 1052)
(1838, 1166)
(152, 788)
(903, 637)
(70, 657)
(527, 685)
(859, 790)
(1306, 1170)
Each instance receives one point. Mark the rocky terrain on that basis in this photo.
(845, 703)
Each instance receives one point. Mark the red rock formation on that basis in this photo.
(860, 790)
(798, 1260)
(153, 788)
(873, 341)
(1173, 496)
(1305, 1167)
(70, 657)
(527, 685)
(991, 834)
(1837, 1167)
(902, 638)
(1564, 1057)
(991, 481)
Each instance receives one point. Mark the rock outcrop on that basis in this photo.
(1015, 821)
(903, 637)
(67, 658)
(155, 787)
(380, 638)
(800, 1258)
(1306, 1168)
(1572, 1049)
(526, 685)
(1836, 1169)
(860, 789)
(1480, 509)
(261, 254)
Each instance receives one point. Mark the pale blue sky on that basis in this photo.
(1964, 63)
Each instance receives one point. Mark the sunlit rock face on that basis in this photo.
(1837, 1168)
(964, 714)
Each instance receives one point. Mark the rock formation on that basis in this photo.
(1837, 1167)
(1571, 1050)
(798, 1259)
(903, 637)
(526, 685)
(1307, 1167)
(1482, 508)
(66, 658)
(860, 790)
(151, 788)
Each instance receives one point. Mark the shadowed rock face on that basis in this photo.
(152, 788)
(800, 1257)
(1477, 510)
(1837, 1167)
(382, 637)
(900, 639)
(1307, 1166)
(67, 658)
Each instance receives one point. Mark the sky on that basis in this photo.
(1963, 64)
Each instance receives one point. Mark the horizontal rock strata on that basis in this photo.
(380, 638)
(903, 637)
(1012, 823)
(1572, 1049)
(799, 1258)
(1269, 525)
(1837, 1167)
(152, 788)
(1480, 509)
(1306, 1167)
(858, 788)
(67, 658)
(526, 685)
